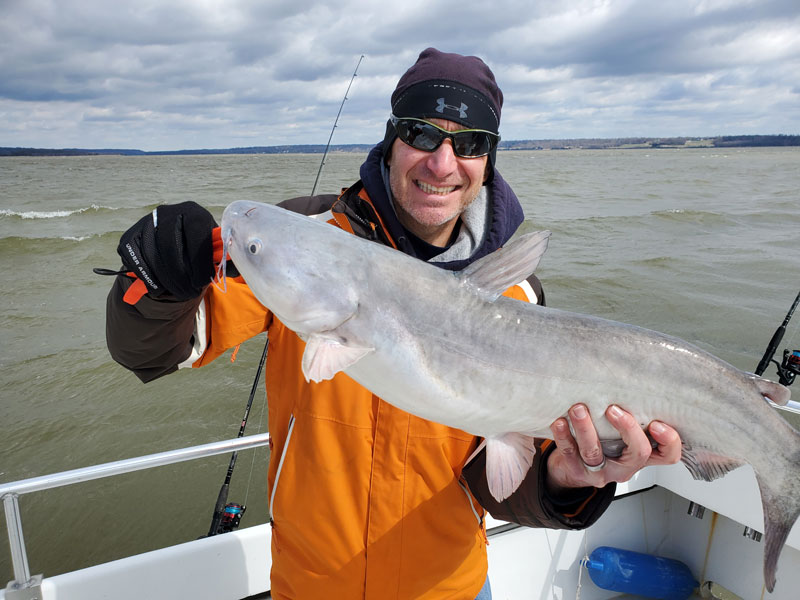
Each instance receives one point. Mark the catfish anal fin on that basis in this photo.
(706, 465)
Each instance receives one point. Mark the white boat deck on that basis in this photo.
(649, 516)
(524, 563)
(655, 521)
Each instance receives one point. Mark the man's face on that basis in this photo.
(432, 189)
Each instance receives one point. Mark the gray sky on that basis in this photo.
(216, 74)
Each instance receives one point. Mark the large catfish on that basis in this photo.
(449, 348)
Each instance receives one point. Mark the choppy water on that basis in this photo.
(702, 244)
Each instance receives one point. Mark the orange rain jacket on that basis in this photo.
(366, 501)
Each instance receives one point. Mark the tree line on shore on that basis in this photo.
(726, 141)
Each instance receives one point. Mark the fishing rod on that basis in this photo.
(314, 189)
(227, 515)
(789, 368)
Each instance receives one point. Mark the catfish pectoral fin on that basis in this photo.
(324, 357)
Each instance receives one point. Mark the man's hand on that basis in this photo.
(578, 460)
(171, 250)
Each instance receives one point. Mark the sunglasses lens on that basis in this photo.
(472, 143)
(427, 137)
(419, 135)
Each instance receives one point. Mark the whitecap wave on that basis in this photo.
(52, 214)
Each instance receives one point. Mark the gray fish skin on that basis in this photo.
(446, 347)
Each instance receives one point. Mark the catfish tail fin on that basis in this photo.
(781, 503)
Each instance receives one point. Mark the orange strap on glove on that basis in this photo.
(136, 291)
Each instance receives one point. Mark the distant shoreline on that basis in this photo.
(632, 143)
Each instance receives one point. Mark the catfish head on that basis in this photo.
(290, 263)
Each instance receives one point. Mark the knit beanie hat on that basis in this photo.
(442, 85)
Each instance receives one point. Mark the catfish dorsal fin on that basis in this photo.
(492, 275)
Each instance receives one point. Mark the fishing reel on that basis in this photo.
(789, 367)
(230, 518)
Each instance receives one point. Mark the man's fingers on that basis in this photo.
(669, 444)
(586, 435)
(566, 467)
(638, 446)
(563, 438)
(579, 449)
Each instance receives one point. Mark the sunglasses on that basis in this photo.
(422, 135)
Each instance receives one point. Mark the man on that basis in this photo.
(367, 501)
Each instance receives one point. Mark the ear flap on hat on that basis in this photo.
(388, 139)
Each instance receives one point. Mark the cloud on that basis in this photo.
(213, 73)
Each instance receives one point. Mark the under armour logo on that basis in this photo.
(462, 110)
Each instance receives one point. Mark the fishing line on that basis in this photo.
(582, 564)
(253, 460)
(793, 335)
(314, 189)
(227, 515)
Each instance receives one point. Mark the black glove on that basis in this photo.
(171, 250)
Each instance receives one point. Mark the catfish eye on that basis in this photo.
(254, 247)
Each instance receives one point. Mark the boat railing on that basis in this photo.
(10, 492)
(791, 407)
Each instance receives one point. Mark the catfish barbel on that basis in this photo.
(448, 347)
